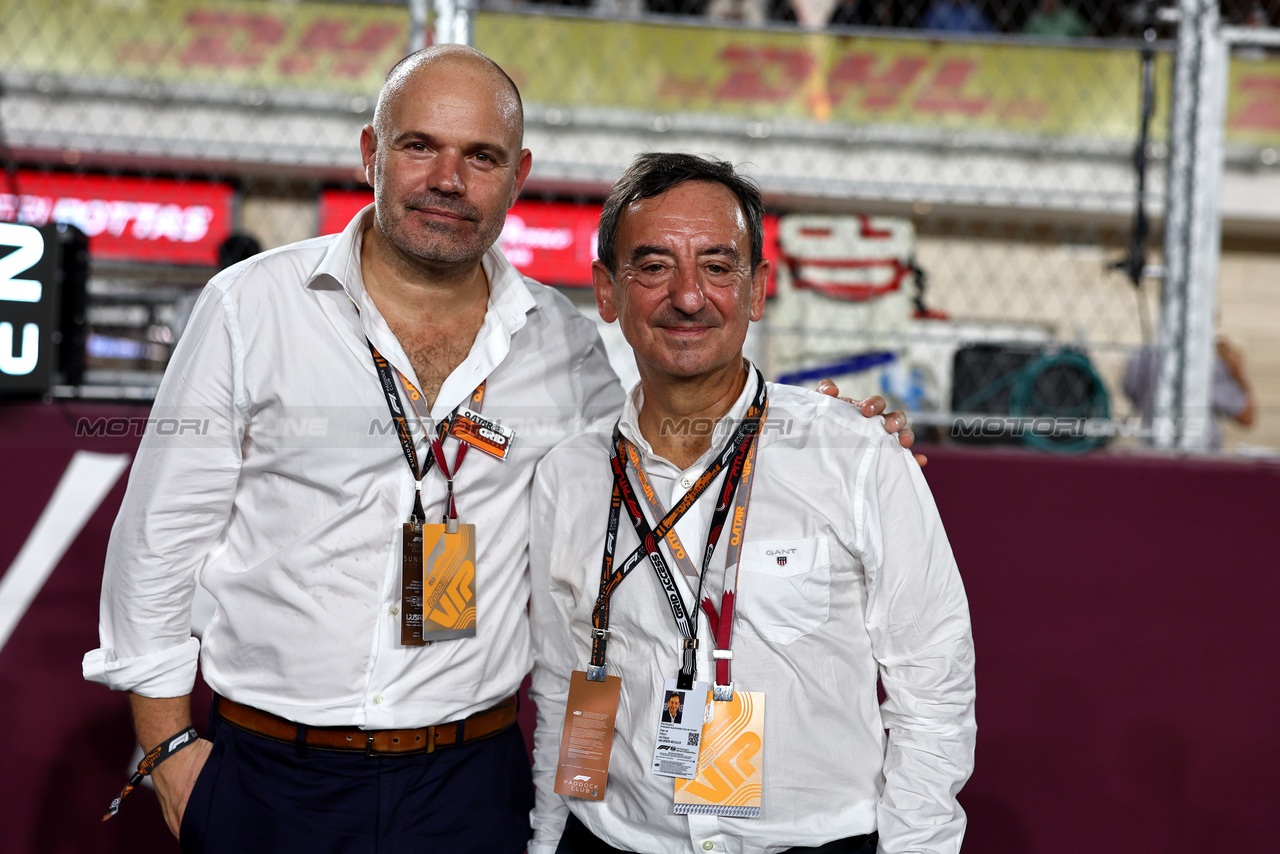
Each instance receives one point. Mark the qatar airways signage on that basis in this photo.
(127, 219)
(552, 242)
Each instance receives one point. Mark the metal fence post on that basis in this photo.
(418, 24)
(1192, 232)
(455, 22)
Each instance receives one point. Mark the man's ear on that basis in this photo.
(368, 152)
(522, 174)
(759, 286)
(602, 284)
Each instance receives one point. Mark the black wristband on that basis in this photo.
(162, 751)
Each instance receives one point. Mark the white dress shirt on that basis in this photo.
(869, 589)
(286, 496)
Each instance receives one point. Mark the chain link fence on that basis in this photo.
(952, 184)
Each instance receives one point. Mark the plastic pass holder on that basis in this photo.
(730, 775)
(438, 583)
(586, 740)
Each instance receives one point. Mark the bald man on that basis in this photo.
(371, 631)
(347, 719)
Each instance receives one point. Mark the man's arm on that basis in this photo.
(154, 720)
(918, 620)
(1236, 402)
(552, 664)
(180, 494)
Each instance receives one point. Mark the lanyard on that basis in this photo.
(732, 457)
(389, 390)
(721, 620)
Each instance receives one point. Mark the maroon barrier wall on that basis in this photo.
(1122, 609)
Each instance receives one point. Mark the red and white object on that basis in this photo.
(853, 258)
(845, 290)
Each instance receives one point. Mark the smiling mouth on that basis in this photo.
(685, 331)
(443, 214)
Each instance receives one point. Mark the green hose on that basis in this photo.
(1028, 386)
(1026, 400)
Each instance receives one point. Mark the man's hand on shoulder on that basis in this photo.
(176, 777)
(894, 422)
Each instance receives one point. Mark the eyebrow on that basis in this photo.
(494, 148)
(646, 249)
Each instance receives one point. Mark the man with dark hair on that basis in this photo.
(653, 174)
(673, 710)
(834, 574)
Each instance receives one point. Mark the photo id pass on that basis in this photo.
(680, 720)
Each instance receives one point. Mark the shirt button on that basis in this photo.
(394, 610)
(708, 845)
(377, 699)
(687, 482)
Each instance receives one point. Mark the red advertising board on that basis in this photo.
(127, 219)
(552, 242)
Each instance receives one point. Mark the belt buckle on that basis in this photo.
(368, 744)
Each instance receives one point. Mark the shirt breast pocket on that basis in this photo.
(784, 588)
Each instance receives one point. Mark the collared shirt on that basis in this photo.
(846, 576)
(287, 495)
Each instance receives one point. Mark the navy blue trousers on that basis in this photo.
(260, 796)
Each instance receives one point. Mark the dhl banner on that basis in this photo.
(574, 62)
(796, 76)
(343, 48)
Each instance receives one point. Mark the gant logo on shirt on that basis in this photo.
(781, 555)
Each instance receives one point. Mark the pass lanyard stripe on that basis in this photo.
(721, 620)
(734, 457)
(387, 379)
(649, 543)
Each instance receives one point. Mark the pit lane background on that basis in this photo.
(1123, 611)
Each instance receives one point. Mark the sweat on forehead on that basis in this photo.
(442, 55)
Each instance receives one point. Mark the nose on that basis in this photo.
(445, 175)
(685, 291)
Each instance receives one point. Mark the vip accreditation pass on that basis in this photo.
(675, 753)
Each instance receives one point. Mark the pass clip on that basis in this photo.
(482, 433)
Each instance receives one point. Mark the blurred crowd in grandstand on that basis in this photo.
(1041, 18)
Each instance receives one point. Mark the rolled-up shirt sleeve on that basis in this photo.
(180, 495)
(918, 620)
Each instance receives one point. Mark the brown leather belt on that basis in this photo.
(370, 742)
